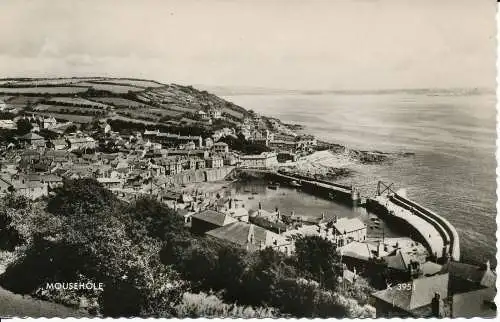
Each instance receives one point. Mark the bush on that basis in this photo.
(210, 306)
(317, 258)
(100, 239)
(23, 127)
(81, 196)
(96, 243)
(21, 220)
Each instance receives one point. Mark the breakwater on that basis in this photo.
(439, 236)
(405, 215)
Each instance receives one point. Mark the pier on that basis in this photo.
(435, 232)
(439, 236)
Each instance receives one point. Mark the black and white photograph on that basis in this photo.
(248, 159)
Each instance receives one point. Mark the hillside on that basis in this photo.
(83, 100)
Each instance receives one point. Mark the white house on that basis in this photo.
(8, 124)
(263, 160)
(221, 147)
(347, 230)
(49, 123)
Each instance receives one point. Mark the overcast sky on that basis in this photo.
(343, 44)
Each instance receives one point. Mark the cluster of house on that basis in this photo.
(228, 220)
(211, 114)
(71, 142)
(275, 135)
(417, 288)
(131, 167)
(450, 290)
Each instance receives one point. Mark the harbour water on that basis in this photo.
(452, 138)
(287, 199)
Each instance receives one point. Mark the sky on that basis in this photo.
(288, 44)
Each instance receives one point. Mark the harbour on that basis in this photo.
(452, 171)
(436, 233)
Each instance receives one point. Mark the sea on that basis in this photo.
(451, 138)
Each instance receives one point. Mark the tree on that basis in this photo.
(49, 135)
(70, 129)
(23, 127)
(22, 220)
(317, 257)
(80, 196)
(149, 217)
(96, 243)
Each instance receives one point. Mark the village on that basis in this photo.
(188, 174)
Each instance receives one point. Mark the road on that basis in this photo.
(14, 305)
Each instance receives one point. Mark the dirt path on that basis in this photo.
(14, 305)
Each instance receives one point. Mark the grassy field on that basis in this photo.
(133, 82)
(77, 101)
(119, 102)
(82, 119)
(14, 305)
(128, 119)
(233, 113)
(21, 100)
(68, 109)
(178, 108)
(43, 90)
(144, 99)
(118, 89)
(138, 114)
(165, 112)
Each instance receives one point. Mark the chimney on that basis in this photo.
(380, 248)
(437, 306)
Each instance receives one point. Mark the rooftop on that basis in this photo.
(242, 234)
(347, 225)
(419, 293)
(214, 217)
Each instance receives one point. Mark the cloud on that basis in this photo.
(296, 44)
(49, 48)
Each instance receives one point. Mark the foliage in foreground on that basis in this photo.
(151, 266)
(210, 306)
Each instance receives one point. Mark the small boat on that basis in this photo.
(294, 183)
(251, 197)
(273, 186)
(255, 193)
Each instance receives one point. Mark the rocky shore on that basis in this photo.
(363, 156)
